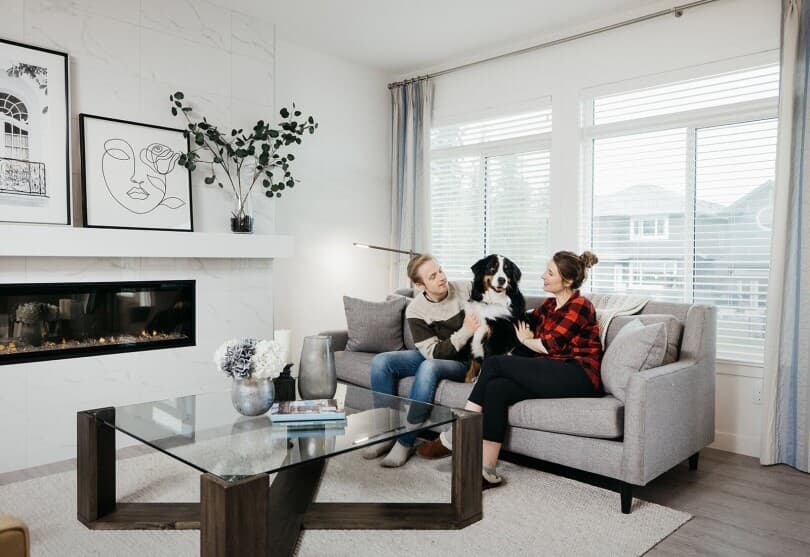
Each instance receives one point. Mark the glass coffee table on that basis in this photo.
(240, 511)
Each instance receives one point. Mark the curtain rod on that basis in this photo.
(677, 11)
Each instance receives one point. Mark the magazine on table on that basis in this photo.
(306, 410)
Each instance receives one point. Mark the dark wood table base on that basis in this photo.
(253, 517)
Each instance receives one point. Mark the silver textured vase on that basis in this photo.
(252, 397)
(316, 372)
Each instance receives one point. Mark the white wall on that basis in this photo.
(126, 57)
(344, 192)
(722, 30)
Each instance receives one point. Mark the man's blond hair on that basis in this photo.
(414, 264)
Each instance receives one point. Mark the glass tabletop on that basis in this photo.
(206, 432)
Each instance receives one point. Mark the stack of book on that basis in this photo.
(309, 418)
(319, 411)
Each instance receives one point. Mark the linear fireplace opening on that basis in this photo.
(67, 320)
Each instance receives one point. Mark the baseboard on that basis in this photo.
(747, 445)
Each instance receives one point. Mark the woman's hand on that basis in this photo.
(523, 331)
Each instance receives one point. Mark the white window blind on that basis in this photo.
(640, 179)
(706, 92)
(489, 183)
(682, 213)
(733, 189)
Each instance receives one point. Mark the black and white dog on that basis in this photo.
(499, 304)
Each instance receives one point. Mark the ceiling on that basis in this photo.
(402, 37)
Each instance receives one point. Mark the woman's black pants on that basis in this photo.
(506, 380)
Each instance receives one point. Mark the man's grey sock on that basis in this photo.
(398, 456)
(446, 437)
(375, 451)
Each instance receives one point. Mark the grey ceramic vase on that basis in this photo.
(316, 372)
(252, 397)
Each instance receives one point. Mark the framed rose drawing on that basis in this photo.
(34, 164)
(130, 175)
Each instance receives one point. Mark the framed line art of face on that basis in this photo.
(34, 135)
(130, 175)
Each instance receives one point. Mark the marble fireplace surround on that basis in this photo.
(39, 400)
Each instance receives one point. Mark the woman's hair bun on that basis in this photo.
(589, 259)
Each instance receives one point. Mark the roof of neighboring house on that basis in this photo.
(649, 199)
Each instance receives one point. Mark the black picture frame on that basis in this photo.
(111, 149)
(35, 173)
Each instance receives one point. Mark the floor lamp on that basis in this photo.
(369, 246)
(410, 253)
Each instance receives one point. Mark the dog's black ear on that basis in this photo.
(480, 266)
(518, 304)
(477, 292)
(516, 273)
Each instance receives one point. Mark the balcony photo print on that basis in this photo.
(34, 167)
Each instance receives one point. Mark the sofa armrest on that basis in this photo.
(339, 339)
(668, 416)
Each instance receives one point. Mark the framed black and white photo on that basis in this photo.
(34, 120)
(130, 175)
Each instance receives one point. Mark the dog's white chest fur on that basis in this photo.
(494, 305)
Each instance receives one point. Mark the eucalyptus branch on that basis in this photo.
(265, 147)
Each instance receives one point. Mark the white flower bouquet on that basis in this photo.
(248, 357)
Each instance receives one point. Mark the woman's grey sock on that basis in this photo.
(375, 451)
(489, 474)
(398, 456)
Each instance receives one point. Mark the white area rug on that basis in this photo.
(533, 514)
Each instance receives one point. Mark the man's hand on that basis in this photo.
(523, 331)
(471, 322)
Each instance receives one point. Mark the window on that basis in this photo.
(489, 192)
(14, 117)
(680, 196)
(649, 228)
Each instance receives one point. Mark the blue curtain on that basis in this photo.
(786, 423)
(411, 107)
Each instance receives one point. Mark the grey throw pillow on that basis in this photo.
(637, 347)
(374, 326)
(407, 335)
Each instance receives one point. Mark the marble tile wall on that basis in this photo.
(126, 57)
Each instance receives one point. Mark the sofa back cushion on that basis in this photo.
(374, 326)
(407, 335)
(637, 347)
(673, 326)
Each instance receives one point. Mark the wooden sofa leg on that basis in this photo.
(627, 497)
(693, 461)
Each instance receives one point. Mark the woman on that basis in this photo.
(559, 357)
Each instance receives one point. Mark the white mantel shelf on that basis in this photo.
(57, 241)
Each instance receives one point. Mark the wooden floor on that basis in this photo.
(740, 508)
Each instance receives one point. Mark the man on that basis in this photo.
(441, 332)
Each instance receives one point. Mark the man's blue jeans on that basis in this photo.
(388, 367)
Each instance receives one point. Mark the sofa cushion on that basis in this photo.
(673, 325)
(374, 326)
(586, 417)
(354, 367)
(637, 347)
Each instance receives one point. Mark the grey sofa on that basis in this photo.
(667, 416)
